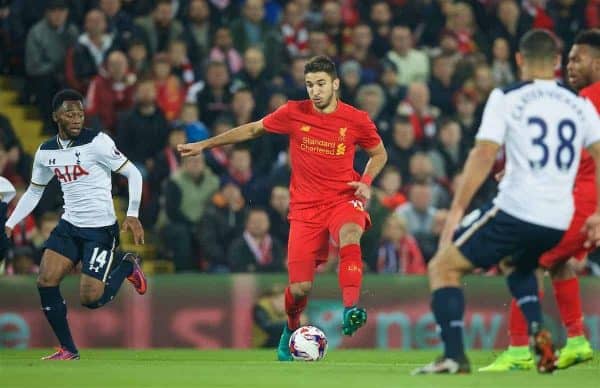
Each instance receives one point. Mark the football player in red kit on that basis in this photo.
(327, 194)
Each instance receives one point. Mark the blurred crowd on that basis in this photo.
(156, 73)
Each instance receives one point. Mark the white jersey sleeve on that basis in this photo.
(108, 154)
(493, 122)
(592, 129)
(40, 174)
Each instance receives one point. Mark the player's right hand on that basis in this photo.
(592, 231)
(8, 231)
(190, 149)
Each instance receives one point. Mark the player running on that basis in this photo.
(82, 160)
(584, 75)
(327, 195)
(543, 125)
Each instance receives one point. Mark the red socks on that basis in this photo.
(294, 308)
(568, 300)
(350, 274)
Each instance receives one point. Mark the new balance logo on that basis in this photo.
(52, 161)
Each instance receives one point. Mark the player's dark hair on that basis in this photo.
(321, 63)
(589, 38)
(538, 45)
(65, 95)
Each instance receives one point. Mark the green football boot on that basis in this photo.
(353, 319)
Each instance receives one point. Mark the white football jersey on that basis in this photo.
(543, 126)
(83, 169)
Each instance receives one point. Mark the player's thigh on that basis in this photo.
(447, 267)
(570, 246)
(349, 219)
(308, 246)
(53, 268)
(536, 241)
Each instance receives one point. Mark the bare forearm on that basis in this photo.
(236, 135)
(476, 169)
(375, 165)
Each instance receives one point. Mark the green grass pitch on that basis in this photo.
(170, 368)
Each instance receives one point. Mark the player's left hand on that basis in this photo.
(136, 228)
(592, 231)
(452, 221)
(363, 191)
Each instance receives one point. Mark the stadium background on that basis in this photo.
(169, 71)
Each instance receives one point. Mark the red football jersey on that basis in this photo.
(587, 169)
(322, 147)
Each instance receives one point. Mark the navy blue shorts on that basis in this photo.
(93, 246)
(488, 235)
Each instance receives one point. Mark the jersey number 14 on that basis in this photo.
(565, 153)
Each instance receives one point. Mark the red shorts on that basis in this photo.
(572, 242)
(311, 232)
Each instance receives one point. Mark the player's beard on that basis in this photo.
(325, 103)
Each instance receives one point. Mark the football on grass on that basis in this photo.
(308, 343)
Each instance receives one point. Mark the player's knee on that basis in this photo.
(300, 289)
(89, 298)
(350, 234)
(44, 280)
(441, 272)
(562, 271)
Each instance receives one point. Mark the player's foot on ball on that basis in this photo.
(283, 350)
(514, 358)
(444, 366)
(577, 350)
(545, 354)
(137, 277)
(62, 354)
(354, 318)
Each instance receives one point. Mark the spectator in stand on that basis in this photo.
(333, 25)
(362, 37)
(421, 172)
(223, 221)
(381, 22)
(137, 55)
(214, 97)
(241, 173)
(394, 93)
(170, 92)
(569, 20)
(15, 162)
(255, 77)
(483, 81)
(119, 22)
(294, 82)
(195, 130)
(85, 59)
(465, 101)
(412, 64)
(217, 158)
(187, 194)
(371, 99)
(256, 250)
(252, 30)
(198, 31)
(538, 11)
(110, 93)
(319, 44)
(511, 24)
(592, 16)
(399, 251)
(159, 29)
(502, 68)
(181, 65)
(389, 188)
(279, 206)
(223, 51)
(422, 115)
(45, 52)
(448, 154)
(401, 146)
(143, 131)
(349, 81)
(441, 85)
(461, 22)
(419, 213)
(428, 243)
(294, 31)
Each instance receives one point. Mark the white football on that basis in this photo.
(308, 343)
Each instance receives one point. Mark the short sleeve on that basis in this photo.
(493, 123)
(107, 152)
(278, 121)
(592, 133)
(40, 174)
(368, 137)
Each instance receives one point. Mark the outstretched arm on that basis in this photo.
(477, 167)
(26, 204)
(134, 182)
(235, 135)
